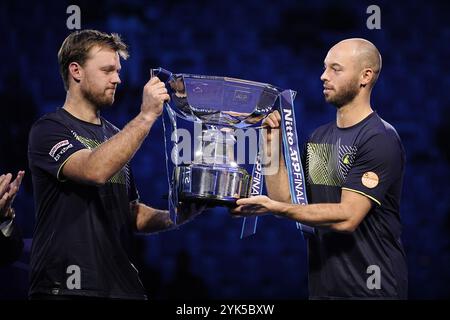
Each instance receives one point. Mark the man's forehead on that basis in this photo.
(104, 55)
(338, 55)
(332, 59)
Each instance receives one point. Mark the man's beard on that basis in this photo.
(98, 100)
(345, 96)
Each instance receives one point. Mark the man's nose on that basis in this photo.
(116, 79)
(324, 76)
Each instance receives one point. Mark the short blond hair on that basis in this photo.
(75, 48)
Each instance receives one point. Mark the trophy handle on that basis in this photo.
(163, 74)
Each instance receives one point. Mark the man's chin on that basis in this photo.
(333, 102)
(105, 103)
(328, 99)
(100, 102)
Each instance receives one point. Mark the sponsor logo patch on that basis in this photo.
(370, 179)
(65, 145)
(57, 146)
(346, 158)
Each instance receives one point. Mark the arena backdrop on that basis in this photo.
(279, 42)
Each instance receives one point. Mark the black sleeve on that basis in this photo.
(378, 163)
(11, 247)
(50, 145)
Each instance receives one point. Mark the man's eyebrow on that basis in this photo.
(334, 64)
(109, 67)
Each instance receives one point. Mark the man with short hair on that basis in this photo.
(354, 174)
(87, 205)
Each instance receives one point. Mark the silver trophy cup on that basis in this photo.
(221, 105)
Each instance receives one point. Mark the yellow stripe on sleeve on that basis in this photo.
(364, 194)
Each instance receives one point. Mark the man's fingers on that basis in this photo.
(18, 179)
(161, 89)
(252, 200)
(269, 119)
(4, 185)
(247, 210)
(159, 85)
(165, 97)
(277, 116)
(154, 85)
(160, 92)
(14, 187)
(272, 120)
(2, 179)
(269, 122)
(13, 191)
(5, 196)
(276, 119)
(9, 200)
(4, 201)
(244, 201)
(154, 80)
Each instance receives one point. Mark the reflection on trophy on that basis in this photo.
(221, 105)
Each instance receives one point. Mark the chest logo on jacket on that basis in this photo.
(329, 164)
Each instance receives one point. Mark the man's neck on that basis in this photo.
(82, 109)
(353, 112)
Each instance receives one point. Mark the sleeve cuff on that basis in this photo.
(364, 194)
(59, 173)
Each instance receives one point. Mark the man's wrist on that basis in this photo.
(283, 209)
(148, 118)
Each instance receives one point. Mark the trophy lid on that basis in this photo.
(220, 101)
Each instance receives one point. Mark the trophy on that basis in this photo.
(221, 105)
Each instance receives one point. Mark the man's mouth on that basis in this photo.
(327, 89)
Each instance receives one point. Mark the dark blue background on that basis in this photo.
(279, 42)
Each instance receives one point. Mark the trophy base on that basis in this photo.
(214, 186)
(208, 202)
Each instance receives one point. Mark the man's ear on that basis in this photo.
(75, 71)
(366, 77)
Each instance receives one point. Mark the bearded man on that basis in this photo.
(87, 205)
(354, 173)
